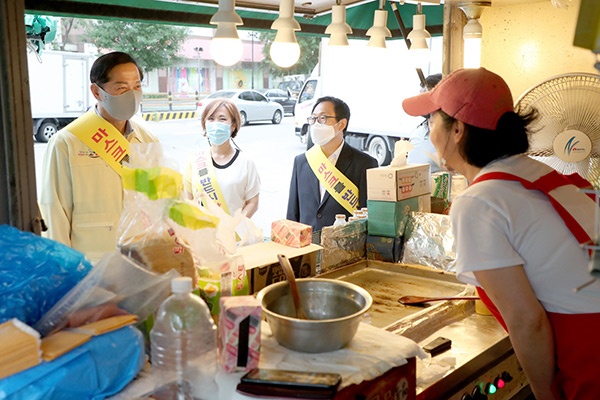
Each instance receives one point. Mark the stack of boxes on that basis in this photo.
(392, 194)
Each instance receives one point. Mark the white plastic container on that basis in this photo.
(184, 344)
(340, 220)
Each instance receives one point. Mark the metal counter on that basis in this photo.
(481, 353)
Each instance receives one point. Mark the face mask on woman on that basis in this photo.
(322, 134)
(123, 106)
(218, 132)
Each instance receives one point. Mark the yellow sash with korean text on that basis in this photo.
(102, 137)
(207, 180)
(342, 189)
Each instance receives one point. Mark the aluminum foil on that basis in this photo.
(429, 241)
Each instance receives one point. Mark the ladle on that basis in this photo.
(289, 274)
(415, 300)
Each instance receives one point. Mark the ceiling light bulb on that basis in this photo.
(379, 31)
(473, 29)
(419, 53)
(285, 50)
(472, 53)
(226, 46)
(338, 29)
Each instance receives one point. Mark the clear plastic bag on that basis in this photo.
(115, 283)
(145, 233)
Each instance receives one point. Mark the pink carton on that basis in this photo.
(291, 233)
(239, 333)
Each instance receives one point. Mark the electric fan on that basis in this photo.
(567, 134)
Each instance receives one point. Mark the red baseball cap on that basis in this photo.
(474, 96)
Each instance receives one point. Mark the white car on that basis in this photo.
(253, 105)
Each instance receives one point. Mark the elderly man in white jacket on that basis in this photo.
(82, 194)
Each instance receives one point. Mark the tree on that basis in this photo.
(309, 55)
(153, 46)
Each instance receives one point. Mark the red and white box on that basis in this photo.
(291, 233)
(239, 333)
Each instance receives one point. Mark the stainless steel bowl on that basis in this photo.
(334, 310)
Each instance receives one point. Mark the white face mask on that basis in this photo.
(322, 134)
(123, 106)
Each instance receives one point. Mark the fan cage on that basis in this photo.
(565, 102)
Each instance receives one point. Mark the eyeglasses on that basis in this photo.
(322, 119)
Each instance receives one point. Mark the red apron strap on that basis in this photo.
(546, 184)
(490, 305)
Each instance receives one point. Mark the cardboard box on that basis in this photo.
(291, 233)
(383, 248)
(398, 183)
(263, 266)
(389, 218)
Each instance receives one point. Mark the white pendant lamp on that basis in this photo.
(472, 32)
(379, 31)
(285, 50)
(226, 47)
(338, 29)
(419, 50)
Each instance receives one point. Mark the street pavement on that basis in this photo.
(271, 147)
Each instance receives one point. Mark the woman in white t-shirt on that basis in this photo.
(518, 230)
(223, 173)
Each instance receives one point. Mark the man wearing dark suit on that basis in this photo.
(309, 202)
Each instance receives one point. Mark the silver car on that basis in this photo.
(253, 105)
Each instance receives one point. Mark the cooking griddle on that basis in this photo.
(387, 282)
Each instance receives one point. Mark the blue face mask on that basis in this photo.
(218, 132)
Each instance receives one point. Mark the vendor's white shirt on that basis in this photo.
(238, 180)
(499, 223)
(81, 196)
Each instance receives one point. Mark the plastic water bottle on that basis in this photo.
(340, 220)
(183, 344)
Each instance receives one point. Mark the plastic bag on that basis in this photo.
(115, 282)
(99, 368)
(221, 272)
(35, 273)
(145, 234)
(246, 230)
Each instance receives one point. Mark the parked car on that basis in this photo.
(283, 97)
(253, 105)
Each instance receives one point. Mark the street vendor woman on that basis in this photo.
(81, 192)
(330, 178)
(518, 228)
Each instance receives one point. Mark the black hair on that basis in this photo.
(339, 106)
(481, 146)
(105, 63)
(431, 81)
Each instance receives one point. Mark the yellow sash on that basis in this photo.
(342, 189)
(102, 137)
(207, 180)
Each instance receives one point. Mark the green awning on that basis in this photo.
(359, 17)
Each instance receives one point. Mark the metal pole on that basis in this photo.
(199, 50)
(404, 35)
(252, 34)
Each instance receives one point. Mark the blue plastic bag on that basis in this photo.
(97, 369)
(35, 273)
